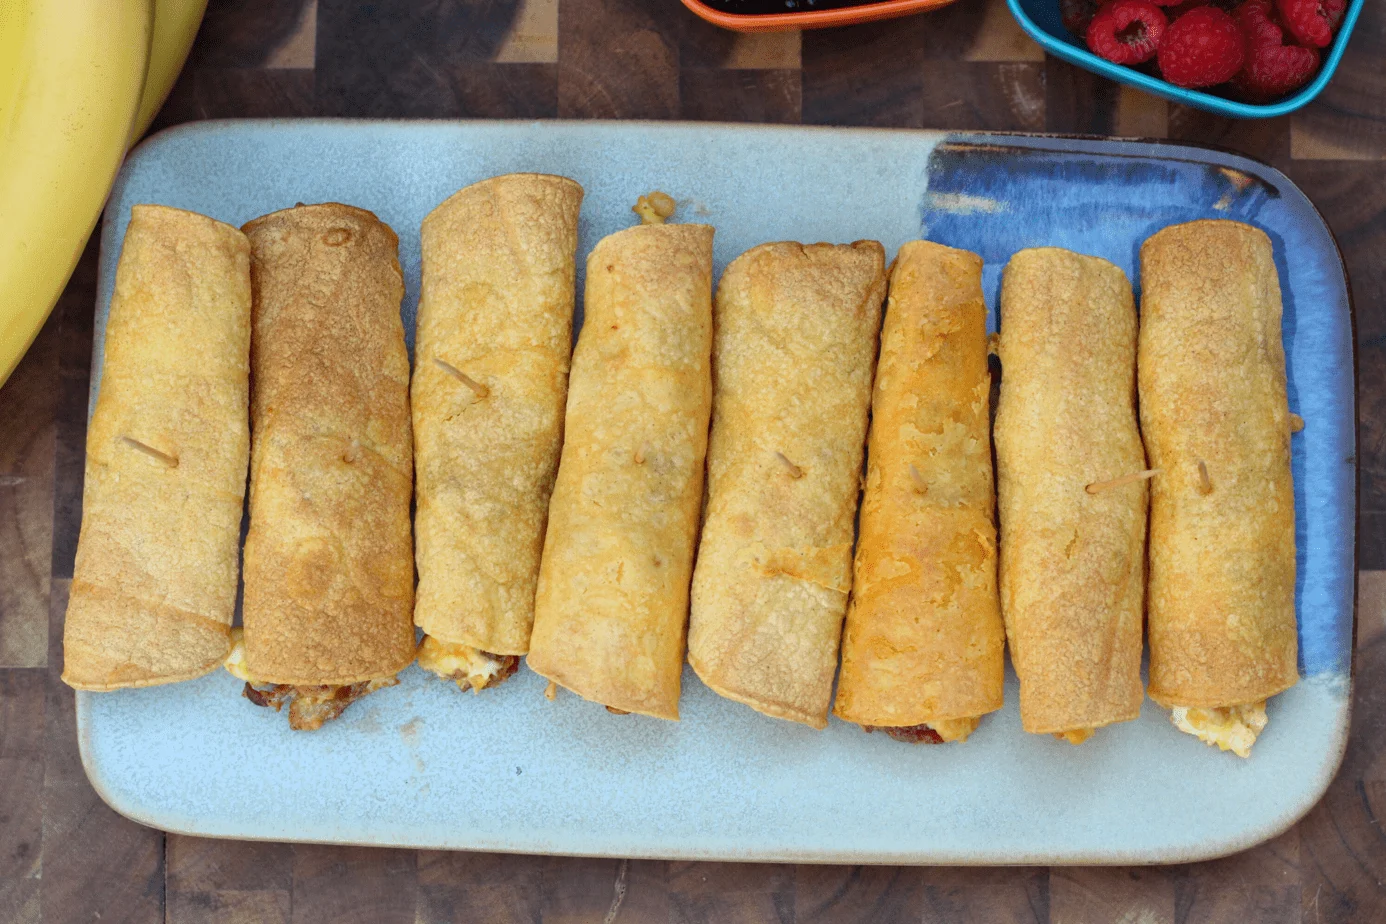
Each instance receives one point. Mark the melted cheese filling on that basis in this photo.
(309, 697)
(1231, 728)
(655, 208)
(235, 666)
(235, 661)
(468, 667)
(1074, 735)
(955, 729)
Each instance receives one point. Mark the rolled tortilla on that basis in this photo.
(329, 574)
(794, 356)
(490, 381)
(923, 641)
(154, 587)
(1072, 559)
(1222, 521)
(612, 602)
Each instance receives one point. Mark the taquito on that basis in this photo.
(1222, 515)
(796, 333)
(1072, 523)
(495, 332)
(923, 642)
(329, 569)
(154, 587)
(611, 610)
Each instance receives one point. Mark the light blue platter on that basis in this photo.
(421, 765)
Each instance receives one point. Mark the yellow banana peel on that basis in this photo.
(70, 90)
(175, 26)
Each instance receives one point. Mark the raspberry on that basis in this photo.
(1254, 19)
(1179, 9)
(1272, 68)
(1127, 31)
(1311, 22)
(1274, 71)
(1174, 12)
(1334, 11)
(1202, 48)
(1077, 14)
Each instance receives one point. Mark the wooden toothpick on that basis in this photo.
(1097, 487)
(1205, 484)
(920, 485)
(170, 461)
(480, 390)
(794, 470)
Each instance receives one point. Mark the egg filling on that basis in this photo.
(470, 668)
(1231, 728)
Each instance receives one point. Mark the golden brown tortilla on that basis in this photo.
(329, 567)
(1217, 425)
(490, 381)
(793, 360)
(1072, 562)
(612, 603)
(155, 582)
(923, 641)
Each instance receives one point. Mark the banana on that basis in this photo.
(69, 111)
(175, 27)
(11, 45)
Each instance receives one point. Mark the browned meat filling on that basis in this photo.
(509, 664)
(911, 734)
(311, 706)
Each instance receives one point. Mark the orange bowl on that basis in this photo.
(811, 19)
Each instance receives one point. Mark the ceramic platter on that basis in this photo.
(422, 765)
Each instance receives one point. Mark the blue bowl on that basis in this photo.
(1040, 18)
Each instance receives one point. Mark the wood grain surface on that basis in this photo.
(65, 857)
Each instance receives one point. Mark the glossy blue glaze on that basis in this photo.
(997, 200)
(1040, 18)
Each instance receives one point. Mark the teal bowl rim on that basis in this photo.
(1076, 54)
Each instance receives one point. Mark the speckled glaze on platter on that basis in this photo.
(421, 765)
